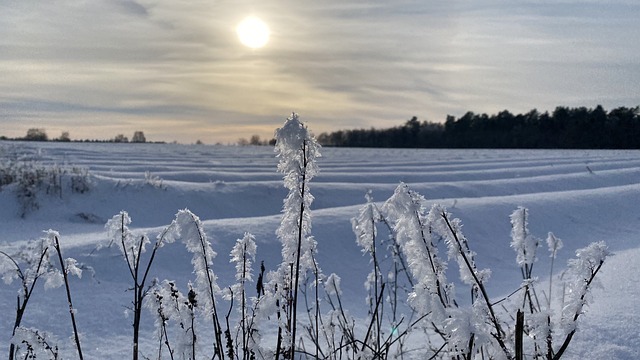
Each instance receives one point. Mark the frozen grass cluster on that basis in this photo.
(29, 178)
(413, 305)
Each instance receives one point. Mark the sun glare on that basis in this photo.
(253, 32)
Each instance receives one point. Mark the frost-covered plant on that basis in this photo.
(30, 179)
(29, 176)
(365, 228)
(526, 246)
(7, 161)
(195, 239)
(480, 330)
(29, 264)
(474, 328)
(132, 247)
(171, 307)
(581, 275)
(80, 180)
(464, 330)
(332, 334)
(154, 181)
(394, 281)
(382, 337)
(298, 151)
(431, 291)
(243, 255)
(35, 344)
(539, 323)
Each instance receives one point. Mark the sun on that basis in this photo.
(253, 32)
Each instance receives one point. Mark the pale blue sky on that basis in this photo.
(175, 70)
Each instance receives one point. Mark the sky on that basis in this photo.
(176, 70)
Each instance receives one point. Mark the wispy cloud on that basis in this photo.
(176, 70)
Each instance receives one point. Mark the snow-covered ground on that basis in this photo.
(582, 196)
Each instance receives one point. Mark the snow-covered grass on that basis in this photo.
(581, 196)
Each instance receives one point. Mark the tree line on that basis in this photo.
(39, 134)
(564, 128)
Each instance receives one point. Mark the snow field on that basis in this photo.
(582, 196)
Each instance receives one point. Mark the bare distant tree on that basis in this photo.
(120, 139)
(243, 142)
(35, 134)
(138, 137)
(255, 140)
(64, 137)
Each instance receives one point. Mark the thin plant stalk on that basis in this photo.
(214, 313)
(68, 290)
(296, 278)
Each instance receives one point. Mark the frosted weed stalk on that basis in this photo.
(243, 255)
(29, 264)
(188, 227)
(132, 247)
(297, 151)
(197, 243)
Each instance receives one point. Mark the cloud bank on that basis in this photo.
(176, 70)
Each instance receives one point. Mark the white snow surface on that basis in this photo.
(581, 196)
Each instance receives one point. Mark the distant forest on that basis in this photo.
(564, 128)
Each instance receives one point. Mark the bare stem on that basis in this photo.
(66, 285)
(296, 278)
